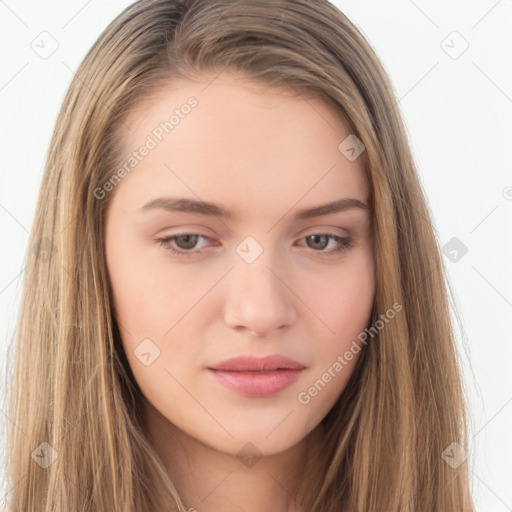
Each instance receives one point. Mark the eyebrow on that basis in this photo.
(207, 208)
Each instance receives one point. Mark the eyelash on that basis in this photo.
(345, 244)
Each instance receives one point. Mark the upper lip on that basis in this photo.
(251, 363)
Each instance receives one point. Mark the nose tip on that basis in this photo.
(258, 302)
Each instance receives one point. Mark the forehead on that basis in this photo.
(240, 142)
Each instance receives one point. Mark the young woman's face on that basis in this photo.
(262, 156)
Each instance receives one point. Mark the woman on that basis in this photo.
(184, 343)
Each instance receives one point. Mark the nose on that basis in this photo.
(260, 301)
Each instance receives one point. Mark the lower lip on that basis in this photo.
(257, 384)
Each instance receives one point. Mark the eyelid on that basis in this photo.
(314, 230)
(331, 230)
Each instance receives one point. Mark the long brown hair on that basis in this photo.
(77, 440)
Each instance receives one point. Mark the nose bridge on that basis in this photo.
(257, 299)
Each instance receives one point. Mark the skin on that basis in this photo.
(263, 153)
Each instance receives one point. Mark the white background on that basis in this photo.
(458, 115)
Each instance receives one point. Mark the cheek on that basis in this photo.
(148, 298)
(344, 302)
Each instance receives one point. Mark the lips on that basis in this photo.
(254, 364)
(257, 377)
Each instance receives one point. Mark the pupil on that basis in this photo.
(188, 239)
(315, 240)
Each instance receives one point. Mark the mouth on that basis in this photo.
(255, 364)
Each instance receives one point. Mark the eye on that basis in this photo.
(319, 241)
(187, 241)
